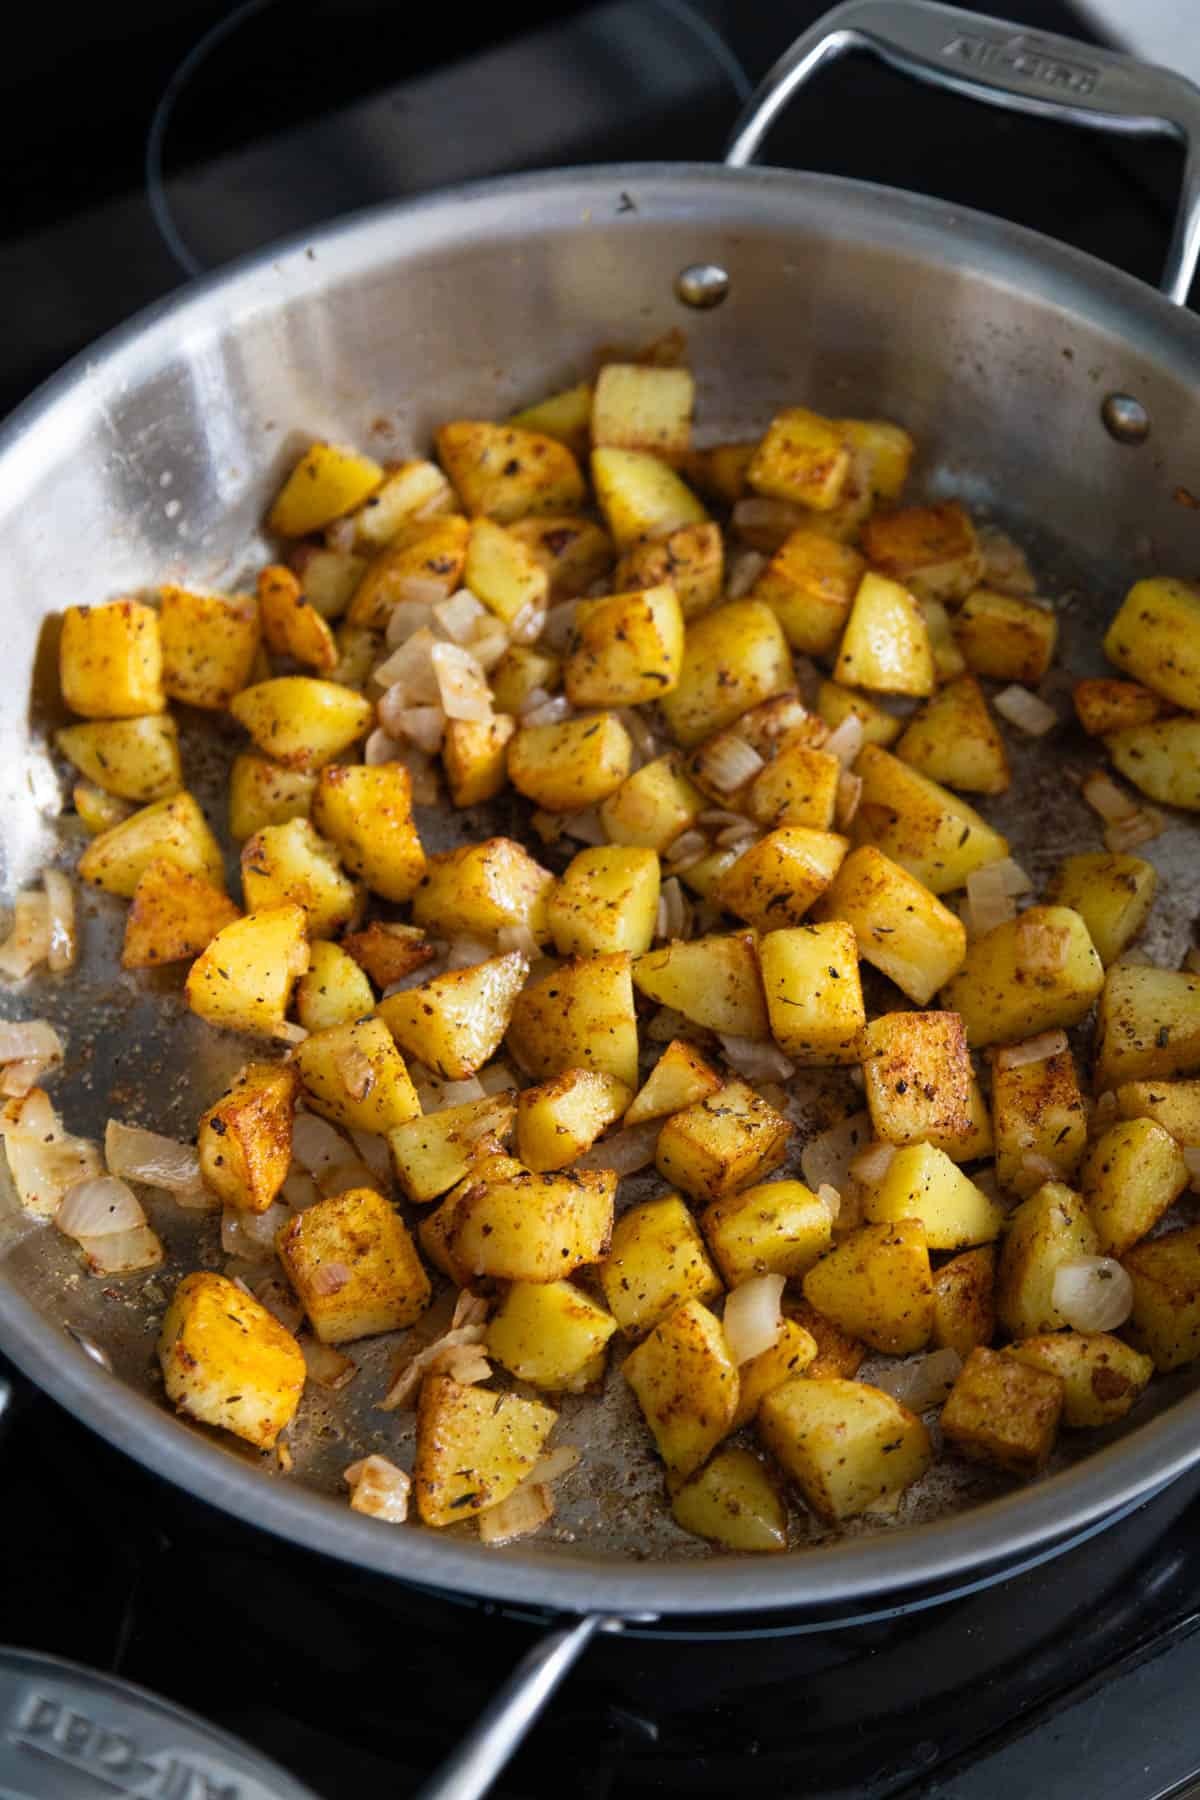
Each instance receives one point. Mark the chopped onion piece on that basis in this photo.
(422, 774)
(554, 711)
(1092, 1293)
(465, 1363)
(1127, 834)
(42, 1159)
(381, 748)
(517, 937)
(299, 1190)
(340, 1177)
(26, 1038)
(469, 1309)
(410, 668)
(462, 684)
(625, 1152)
(560, 623)
(374, 1152)
(330, 1278)
(122, 1252)
(534, 699)
(735, 837)
(846, 740)
(280, 1302)
(28, 943)
(1035, 1049)
(529, 623)
(1025, 710)
(62, 932)
(1039, 1168)
(827, 1157)
(921, 1382)
(685, 850)
(355, 1070)
(97, 1206)
(872, 1164)
(831, 1200)
(1105, 797)
(989, 902)
(727, 762)
(674, 917)
(316, 1144)
(1015, 879)
(1041, 947)
(586, 827)
(758, 513)
(286, 1032)
(424, 726)
(412, 614)
(379, 1489)
(1103, 1113)
(252, 1235)
(420, 590)
(407, 1379)
(745, 567)
(497, 1078)
(457, 1093)
(644, 741)
(489, 643)
(156, 1161)
(525, 1509)
(757, 1062)
(846, 801)
(556, 1463)
(753, 1319)
(1005, 566)
(16, 1078)
(465, 952)
(326, 1364)
(460, 615)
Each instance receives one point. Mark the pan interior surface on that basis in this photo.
(152, 460)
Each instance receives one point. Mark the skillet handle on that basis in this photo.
(1007, 66)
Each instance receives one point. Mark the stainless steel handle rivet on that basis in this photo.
(1125, 419)
(702, 285)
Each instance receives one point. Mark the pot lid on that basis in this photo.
(68, 1733)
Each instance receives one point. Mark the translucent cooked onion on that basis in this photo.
(299, 1190)
(355, 1070)
(280, 1302)
(327, 1365)
(529, 623)
(1016, 880)
(28, 943)
(1041, 947)
(465, 952)
(846, 740)
(23, 1039)
(424, 726)
(847, 799)
(641, 736)
(744, 569)
(406, 1381)
(252, 1235)
(727, 762)
(831, 1200)
(738, 837)
(43, 1161)
(122, 1252)
(462, 685)
(1025, 710)
(497, 1078)
(625, 1152)
(586, 827)
(517, 937)
(16, 1078)
(288, 1032)
(526, 1508)
(552, 711)
(674, 917)
(827, 1157)
(753, 1320)
(460, 615)
(534, 699)
(420, 590)
(161, 1162)
(1127, 834)
(379, 1489)
(330, 1278)
(98, 1206)
(380, 747)
(921, 1382)
(555, 1464)
(410, 668)
(421, 772)
(374, 1152)
(560, 623)
(1092, 1293)
(756, 1061)
(872, 1164)
(1032, 1050)
(340, 1177)
(62, 933)
(1105, 797)
(757, 514)
(316, 1144)
(1005, 566)
(409, 616)
(685, 850)
(989, 902)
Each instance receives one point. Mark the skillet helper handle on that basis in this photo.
(1007, 66)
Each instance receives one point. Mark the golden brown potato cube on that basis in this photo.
(653, 806)
(1031, 974)
(1004, 1412)
(964, 1306)
(473, 1448)
(723, 1143)
(948, 660)
(1162, 760)
(431, 551)
(354, 1267)
(1102, 1377)
(714, 981)
(574, 552)
(641, 497)
(354, 1075)
(814, 996)
(528, 1226)
(691, 561)
(358, 652)
(173, 831)
(1104, 704)
(228, 1362)
(174, 915)
(560, 1119)
(579, 1017)
(887, 451)
(1007, 638)
(1155, 637)
(1039, 1121)
(640, 408)
(810, 584)
(1132, 1175)
(1165, 1322)
(836, 703)
(329, 480)
(776, 724)
(954, 740)
(921, 825)
(503, 572)
(388, 951)
(793, 1353)
(328, 577)
(432, 1153)
(293, 862)
(243, 980)
(414, 489)
(679, 1078)
(898, 925)
(245, 1139)
(110, 660)
(1051, 1227)
(778, 1228)
(262, 792)
(606, 900)
(209, 645)
(572, 765)
(733, 658)
(1175, 1105)
(656, 1261)
(475, 757)
(847, 1446)
(804, 458)
(366, 811)
(333, 989)
(291, 626)
(566, 416)
(876, 1284)
(838, 1354)
(686, 1384)
(922, 1183)
(720, 470)
(885, 646)
(97, 810)
(548, 1333)
(506, 473)
(1112, 894)
(455, 1023)
(137, 759)
(933, 550)
(799, 787)
(521, 671)
(776, 880)
(1148, 1025)
(626, 649)
(733, 1502)
(481, 889)
(301, 721)
(917, 1071)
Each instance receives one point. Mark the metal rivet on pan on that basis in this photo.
(1125, 419)
(702, 285)
(90, 1348)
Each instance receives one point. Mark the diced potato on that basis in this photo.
(388, 951)
(566, 416)
(714, 981)
(679, 1078)
(1132, 1175)
(799, 787)
(722, 1143)
(137, 759)
(776, 880)
(481, 889)
(898, 925)
(641, 497)
(521, 671)
(1148, 1025)
(703, 875)
(174, 915)
(357, 1240)
(574, 552)
(948, 660)
(921, 825)
(475, 757)
(814, 996)
(456, 1022)
(1112, 894)
(354, 1075)
(366, 812)
(293, 862)
(329, 480)
(1155, 637)
(1165, 1322)
(686, 1384)
(532, 1227)
(506, 472)
(954, 740)
(885, 647)
(1039, 1121)
(653, 806)
(1175, 1105)
(290, 625)
(720, 470)
(333, 990)
(922, 1183)
(733, 658)
(173, 831)
(228, 1362)
(548, 1333)
(1051, 1227)
(918, 1078)
(835, 703)
(560, 1119)
(473, 1448)
(300, 721)
(964, 1307)
(209, 645)
(876, 1284)
(1007, 638)
(606, 900)
(1031, 974)
(640, 408)
(810, 584)
(804, 458)
(411, 490)
(97, 810)
(793, 1353)
(848, 1447)
(262, 792)
(1162, 759)
(431, 551)
(933, 550)
(1104, 704)
(329, 577)
(778, 1228)
(733, 1502)
(656, 1261)
(504, 573)
(245, 1138)
(430, 1154)
(572, 765)
(691, 561)
(1102, 1377)
(1004, 1412)
(774, 725)
(887, 451)
(110, 662)
(626, 649)
(580, 1017)
(838, 1354)
(359, 651)
(243, 980)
